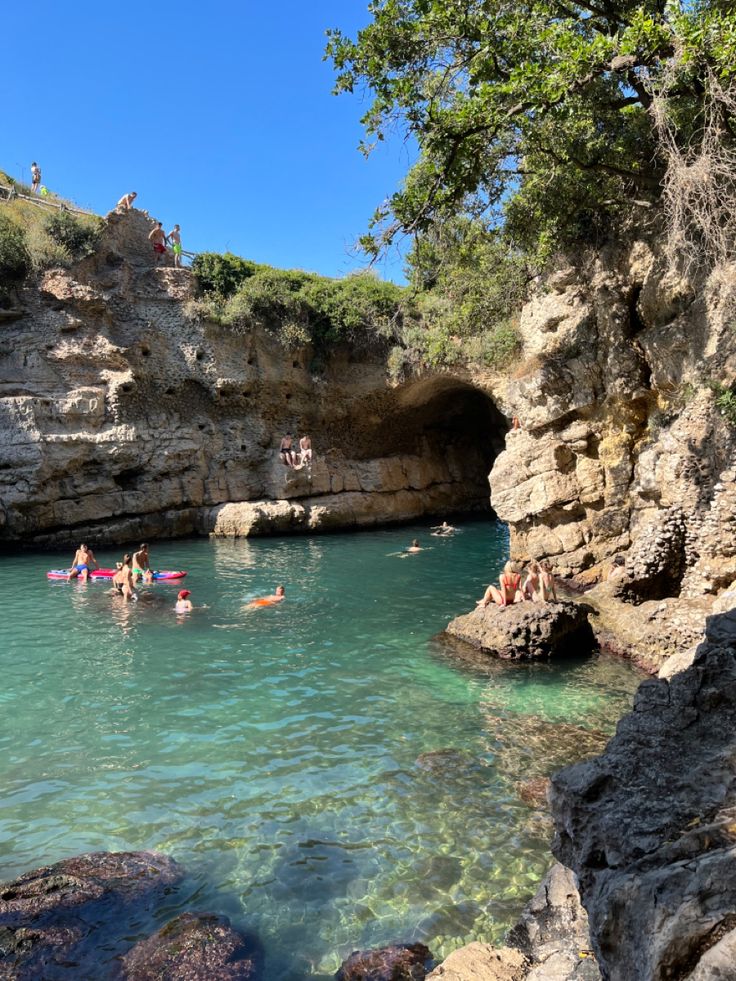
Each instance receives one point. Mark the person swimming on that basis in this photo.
(415, 546)
(276, 597)
(443, 531)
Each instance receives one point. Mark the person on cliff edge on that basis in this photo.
(157, 237)
(126, 201)
(35, 177)
(174, 237)
(286, 453)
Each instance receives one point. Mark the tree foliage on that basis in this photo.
(535, 111)
(76, 236)
(15, 261)
(221, 274)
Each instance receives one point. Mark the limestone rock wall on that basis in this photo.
(121, 416)
(623, 448)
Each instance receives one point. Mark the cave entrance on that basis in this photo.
(457, 431)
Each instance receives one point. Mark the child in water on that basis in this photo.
(183, 603)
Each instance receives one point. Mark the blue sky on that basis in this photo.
(218, 114)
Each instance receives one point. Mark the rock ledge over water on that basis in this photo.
(526, 631)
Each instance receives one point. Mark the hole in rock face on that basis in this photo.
(128, 479)
(199, 355)
(145, 350)
(445, 432)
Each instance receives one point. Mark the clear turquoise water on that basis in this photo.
(278, 753)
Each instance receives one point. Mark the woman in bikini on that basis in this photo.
(532, 584)
(547, 583)
(510, 591)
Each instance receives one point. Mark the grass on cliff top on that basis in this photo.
(34, 237)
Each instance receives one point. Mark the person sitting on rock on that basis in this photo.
(510, 591)
(84, 562)
(158, 238)
(286, 452)
(547, 588)
(126, 201)
(305, 450)
(531, 587)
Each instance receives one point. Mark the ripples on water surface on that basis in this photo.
(274, 752)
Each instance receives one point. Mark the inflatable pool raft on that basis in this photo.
(163, 574)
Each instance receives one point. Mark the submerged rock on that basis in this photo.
(650, 826)
(398, 962)
(193, 947)
(61, 921)
(526, 631)
(534, 791)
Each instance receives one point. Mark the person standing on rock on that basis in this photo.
(158, 239)
(35, 177)
(174, 237)
(126, 201)
(84, 562)
(510, 591)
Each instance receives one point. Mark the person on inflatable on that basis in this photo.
(84, 562)
(276, 597)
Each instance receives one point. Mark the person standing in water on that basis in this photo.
(84, 562)
(174, 237)
(141, 562)
(183, 603)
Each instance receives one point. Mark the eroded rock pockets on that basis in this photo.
(650, 826)
(120, 412)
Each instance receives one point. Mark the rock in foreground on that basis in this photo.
(62, 921)
(526, 631)
(192, 947)
(650, 826)
(398, 962)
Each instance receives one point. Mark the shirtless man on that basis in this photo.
(35, 177)
(415, 546)
(141, 562)
(174, 236)
(126, 201)
(286, 452)
(84, 562)
(305, 450)
(158, 239)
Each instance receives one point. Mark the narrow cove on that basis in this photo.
(330, 775)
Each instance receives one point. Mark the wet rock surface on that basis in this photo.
(526, 631)
(397, 962)
(650, 826)
(56, 921)
(193, 947)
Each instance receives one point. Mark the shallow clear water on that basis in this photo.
(289, 756)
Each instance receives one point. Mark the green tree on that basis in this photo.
(15, 262)
(537, 110)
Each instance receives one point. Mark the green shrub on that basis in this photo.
(726, 402)
(15, 262)
(78, 237)
(221, 274)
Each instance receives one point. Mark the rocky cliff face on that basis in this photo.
(623, 447)
(120, 415)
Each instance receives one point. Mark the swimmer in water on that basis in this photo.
(183, 603)
(415, 546)
(443, 530)
(276, 597)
